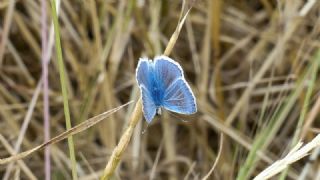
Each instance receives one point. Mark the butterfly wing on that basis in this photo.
(166, 71)
(143, 74)
(179, 98)
(148, 106)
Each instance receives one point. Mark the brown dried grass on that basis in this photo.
(244, 59)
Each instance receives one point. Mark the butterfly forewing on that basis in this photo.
(166, 71)
(143, 72)
(144, 75)
(149, 107)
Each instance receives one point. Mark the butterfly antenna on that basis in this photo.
(177, 117)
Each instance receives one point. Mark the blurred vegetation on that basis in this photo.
(253, 66)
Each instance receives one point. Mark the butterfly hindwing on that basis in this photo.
(149, 108)
(179, 98)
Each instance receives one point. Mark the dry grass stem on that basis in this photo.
(75, 130)
(137, 114)
(297, 153)
(123, 142)
(252, 65)
(217, 159)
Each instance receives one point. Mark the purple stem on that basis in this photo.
(46, 113)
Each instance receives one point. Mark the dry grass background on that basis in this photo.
(253, 66)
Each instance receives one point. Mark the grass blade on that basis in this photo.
(64, 88)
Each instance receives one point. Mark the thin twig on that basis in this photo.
(46, 111)
(24, 127)
(75, 130)
(6, 29)
(217, 159)
(123, 143)
(136, 115)
(22, 165)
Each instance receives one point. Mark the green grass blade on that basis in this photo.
(263, 139)
(63, 87)
(306, 104)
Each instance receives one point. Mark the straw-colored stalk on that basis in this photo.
(297, 153)
(75, 130)
(137, 114)
(124, 141)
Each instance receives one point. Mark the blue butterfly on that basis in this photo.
(162, 85)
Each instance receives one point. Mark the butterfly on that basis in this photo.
(162, 85)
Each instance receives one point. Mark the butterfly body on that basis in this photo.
(162, 85)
